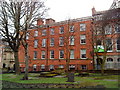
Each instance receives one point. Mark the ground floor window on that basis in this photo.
(42, 67)
(51, 67)
(34, 67)
(118, 60)
(4, 65)
(72, 67)
(61, 66)
(109, 60)
(84, 67)
(109, 63)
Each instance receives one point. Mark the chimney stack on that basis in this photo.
(40, 22)
(49, 21)
(93, 11)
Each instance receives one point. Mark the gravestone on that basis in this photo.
(70, 77)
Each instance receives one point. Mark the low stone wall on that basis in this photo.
(6, 84)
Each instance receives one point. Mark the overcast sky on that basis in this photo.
(64, 9)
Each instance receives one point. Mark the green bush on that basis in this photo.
(59, 71)
(47, 74)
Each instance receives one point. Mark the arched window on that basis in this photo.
(61, 66)
(72, 67)
(34, 67)
(4, 65)
(108, 29)
(42, 66)
(51, 67)
(109, 60)
(118, 60)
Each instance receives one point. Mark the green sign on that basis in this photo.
(99, 48)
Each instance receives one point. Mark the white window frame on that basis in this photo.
(82, 52)
(52, 31)
(42, 54)
(51, 66)
(44, 32)
(35, 33)
(108, 29)
(61, 66)
(61, 41)
(42, 66)
(35, 43)
(82, 27)
(82, 37)
(71, 40)
(35, 55)
(52, 54)
(61, 51)
(71, 29)
(72, 54)
(52, 41)
(118, 27)
(43, 42)
(35, 66)
(61, 30)
(109, 63)
(111, 45)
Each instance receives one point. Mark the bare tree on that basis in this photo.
(18, 17)
(103, 32)
(30, 16)
(68, 41)
(10, 27)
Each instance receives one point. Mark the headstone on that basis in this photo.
(70, 77)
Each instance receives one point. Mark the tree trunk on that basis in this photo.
(26, 63)
(102, 69)
(17, 67)
(103, 63)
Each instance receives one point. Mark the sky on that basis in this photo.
(61, 10)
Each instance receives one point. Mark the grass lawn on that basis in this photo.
(109, 81)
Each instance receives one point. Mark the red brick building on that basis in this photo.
(52, 42)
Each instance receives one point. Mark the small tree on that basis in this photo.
(31, 14)
(69, 38)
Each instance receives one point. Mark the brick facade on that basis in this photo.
(47, 50)
(77, 62)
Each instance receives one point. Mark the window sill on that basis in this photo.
(61, 58)
(72, 45)
(83, 43)
(83, 58)
(35, 58)
(118, 51)
(52, 58)
(51, 45)
(109, 51)
(72, 58)
(61, 45)
(35, 47)
(43, 58)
